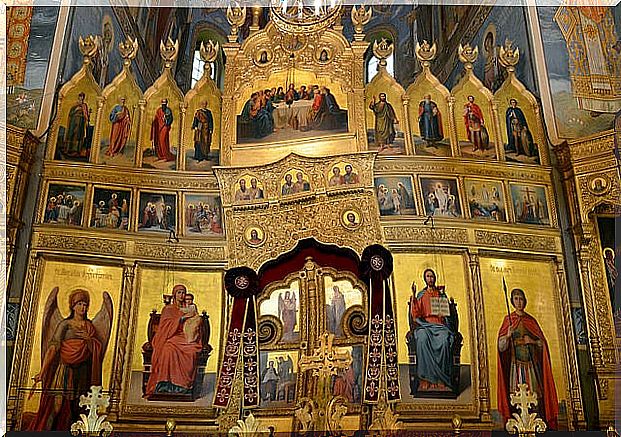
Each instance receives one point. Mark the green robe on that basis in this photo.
(384, 123)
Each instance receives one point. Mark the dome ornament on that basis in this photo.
(294, 17)
(468, 55)
(169, 51)
(425, 53)
(236, 16)
(128, 50)
(360, 17)
(508, 56)
(382, 51)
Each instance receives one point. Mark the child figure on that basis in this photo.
(192, 319)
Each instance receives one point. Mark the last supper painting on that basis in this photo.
(312, 218)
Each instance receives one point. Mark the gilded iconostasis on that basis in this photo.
(315, 219)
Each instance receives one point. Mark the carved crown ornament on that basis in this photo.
(509, 57)
(296, 17)
(468, 55)
(382, 50)
(128, 50)
(425, 53)
(88, 47)
(169, 51)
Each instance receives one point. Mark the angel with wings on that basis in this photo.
(287, 309)
(72, 353)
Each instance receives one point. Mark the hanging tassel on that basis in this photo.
(376, 268)
(242, 284)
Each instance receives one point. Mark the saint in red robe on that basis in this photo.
(526, 359)
(174, 358)
(160, 131)
(121, 126)
(473, 119)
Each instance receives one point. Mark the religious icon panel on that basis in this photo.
(441, 197)
(285, 111)
(248, 189)
(203, 215)
(530, 204)
(385, 136)
(522, 319)
(348, 381)
(294, 182)
(75, 133)
(342, 175)
(395, 195)
(64, 205)
(434, 324)
(284, 304)
(520, 145)
(162, 135)
(175, 331)
(119, 135)
(74, 346)
(278, 371)
(431, 139)
(111, 209)
(486, 200)
(205, 152)
(158, 212)
(339, 297)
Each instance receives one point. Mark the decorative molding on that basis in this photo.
(80, 244)
(162, 251)
(516, 241)
(426, 235)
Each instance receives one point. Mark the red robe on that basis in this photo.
(160, 132)
(79, 360)
(478, 113)
(174, 359)
(549, 403)
(121, 126)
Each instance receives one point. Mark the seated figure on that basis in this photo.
(434, 343)
(196, 332)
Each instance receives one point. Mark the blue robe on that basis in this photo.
(434, 346)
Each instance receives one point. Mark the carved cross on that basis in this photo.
(325, 361)
(93, 423)
(525, 423)
(523, 398)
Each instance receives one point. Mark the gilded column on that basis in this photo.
(180, 150)
(500, 147)
(480, 333)
(96, 141)
(409, 146)
(142, 104)
(455, 149)
(568, 346)
(125, 305)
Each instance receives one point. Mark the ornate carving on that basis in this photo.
(360, 16)
(128, 50)
(93, 423)
(80, 244)
(382, 50)
(169, 51)
(249, 427)
(516, 241)
(525, 423)
(420, 234)
(162, 251)
(468, 55)
(509, 58)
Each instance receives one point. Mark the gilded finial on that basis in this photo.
(508, 56)
(250, 426)
(169, 51)
(425, 53)
(457, 423)
(128, 50)
(209, 53)
(525, 423)
(93, 423)
(468, 54)
(382, 50)
(170, 427)
(360, 17)
(236, 16)
(88, 47)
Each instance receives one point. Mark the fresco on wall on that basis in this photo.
(111, 209)
(584, 98)
(533, 346)
(26, 91)
(95, 20)
(433, 365)
(64, 205)
(501, 24)
(78, 302)
(177, 328)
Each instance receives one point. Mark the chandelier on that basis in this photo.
(297, 16)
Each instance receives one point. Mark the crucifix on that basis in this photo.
(323, 412)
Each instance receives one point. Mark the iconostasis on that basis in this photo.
(148, 198)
